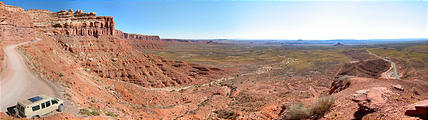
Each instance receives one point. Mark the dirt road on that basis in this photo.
(389, 72)
(18, 82)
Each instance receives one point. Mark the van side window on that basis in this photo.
(54, 101)
(48, 103)
(35, 108)
(43, 105)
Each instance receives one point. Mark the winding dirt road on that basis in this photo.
(387, 74)
(18, 82)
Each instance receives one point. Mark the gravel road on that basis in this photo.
(18, 82)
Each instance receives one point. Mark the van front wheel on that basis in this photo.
(36, 116)
(60, 107)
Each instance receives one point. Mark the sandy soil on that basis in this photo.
(18, 82)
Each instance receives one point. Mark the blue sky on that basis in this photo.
(240, 19)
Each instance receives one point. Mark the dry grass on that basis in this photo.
(316, 110)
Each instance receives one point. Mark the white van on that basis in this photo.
(37, 106)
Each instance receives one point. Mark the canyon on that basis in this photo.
(104, 73)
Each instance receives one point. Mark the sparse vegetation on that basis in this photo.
(111, 114)
(60, 75)
(297, 111)
(95, 113)
(87, 112)
(301, 58)
(322, 105)
(316, 110)
(413, 54)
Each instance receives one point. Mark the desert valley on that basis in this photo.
(103, 73)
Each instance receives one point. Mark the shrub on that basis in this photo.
(316, 110)
(85, 111)
(60, 75)
(95, 113)
(111, 114)
(297, 111)
(88, 112)
(321, 106)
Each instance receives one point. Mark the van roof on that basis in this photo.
(34, 100)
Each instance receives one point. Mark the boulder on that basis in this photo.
(370, 100)
(398, 87)
(418, 109)
(339, 84)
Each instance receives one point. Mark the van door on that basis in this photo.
(44, 111)
(48, 106)
(35, 111)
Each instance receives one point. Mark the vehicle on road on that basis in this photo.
(36, 107)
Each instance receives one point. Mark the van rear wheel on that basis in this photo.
(60, 107)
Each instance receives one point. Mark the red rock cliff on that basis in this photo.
(142, 41)
(73, 23)
(15, 25)
(88, 24)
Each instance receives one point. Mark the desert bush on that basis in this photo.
(86, 111)
(297, 111)
(60, 75)
(321, 105)
(316, 110)
(95, 113)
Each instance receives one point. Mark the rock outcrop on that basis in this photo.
(142, 41)
(339, 84)
(418, 109)
(15, 25)
(73, 23)
(124, 35)
(371, 100)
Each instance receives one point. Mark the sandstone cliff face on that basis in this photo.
(72, 23)
(142, 41)
(15, 25)
(79, 23)
(124, 35)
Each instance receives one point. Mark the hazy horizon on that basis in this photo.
(272, 20)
